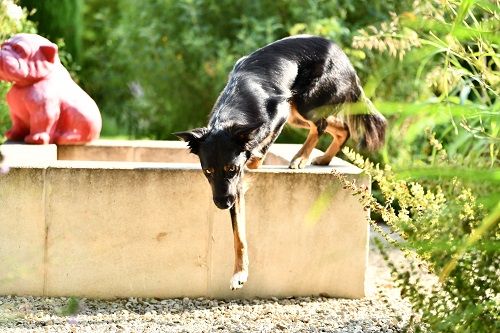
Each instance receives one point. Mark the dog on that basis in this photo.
(304, 80)
(45, 104)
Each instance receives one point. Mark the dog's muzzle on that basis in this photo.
(224, 202)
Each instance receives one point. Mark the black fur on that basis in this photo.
(309, 72)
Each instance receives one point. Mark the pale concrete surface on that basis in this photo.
(292, 252)
(129, 151)
(132, 234)
(173, 152)
(22, 232)
(16, 153)
(122, 229)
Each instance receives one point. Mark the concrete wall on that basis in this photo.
(107, 229)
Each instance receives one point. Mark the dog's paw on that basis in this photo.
(238, 280)
(298, 163)
(321, 160)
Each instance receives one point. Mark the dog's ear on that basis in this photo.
(245, 134)
(193, 137)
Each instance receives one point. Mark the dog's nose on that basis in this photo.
(224, 202)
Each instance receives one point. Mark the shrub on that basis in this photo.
(450, 54)
(447, 139)
(447, 232)
(157, 67)
(59, 19)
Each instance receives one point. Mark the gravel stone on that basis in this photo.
(382, 310)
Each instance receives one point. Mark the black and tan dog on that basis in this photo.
(294, 79)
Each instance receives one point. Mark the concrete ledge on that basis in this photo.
(119, 229)
(22, 231)
(18, 153)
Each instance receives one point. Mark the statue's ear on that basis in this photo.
(193, 137)
(49, 52)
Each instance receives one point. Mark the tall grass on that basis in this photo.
(445, 231)
(440, 197)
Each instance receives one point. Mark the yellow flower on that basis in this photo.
(13, 11)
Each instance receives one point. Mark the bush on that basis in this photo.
(59, 19)
(448, 233)
(441, 199)
(450, 54)
(157, 67)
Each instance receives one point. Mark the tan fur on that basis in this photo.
(254, 162)
(340, 133)
(359, 120)
(302, 157)
(240, 243)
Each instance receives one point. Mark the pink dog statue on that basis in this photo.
(46, 105)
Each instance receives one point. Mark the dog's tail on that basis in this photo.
(366, 124)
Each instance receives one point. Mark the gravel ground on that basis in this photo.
(382, 311)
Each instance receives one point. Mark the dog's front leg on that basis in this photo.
(237, 211)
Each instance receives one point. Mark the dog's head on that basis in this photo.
(223, 154)
(27, 58)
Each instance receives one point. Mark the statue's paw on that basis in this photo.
(42, 138)
(70, 138)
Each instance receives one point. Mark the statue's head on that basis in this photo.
(27, 58)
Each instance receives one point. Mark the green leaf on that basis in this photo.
(488, 222)
(466, 174)
(71, 308)
(464, 8)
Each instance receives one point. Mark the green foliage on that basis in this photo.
(59, 19)
(450, 52)
(13, 20)
(434, 36)
(448, 232)
(73, 307)
(444, 133)
(157, 67)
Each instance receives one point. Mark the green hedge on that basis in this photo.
(59, 19)
(156, 67)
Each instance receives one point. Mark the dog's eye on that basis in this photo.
(208, 171)
(231, 169)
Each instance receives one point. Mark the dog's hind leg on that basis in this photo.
(340, 133)
(300, 159)
(237, 211)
